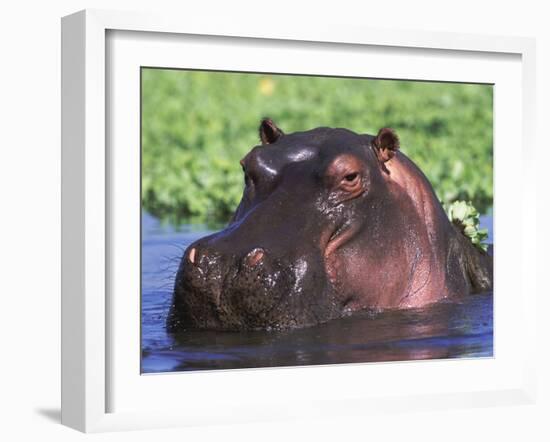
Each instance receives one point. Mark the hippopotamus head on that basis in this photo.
(317, 216)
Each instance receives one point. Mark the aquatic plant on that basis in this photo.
(464, 215)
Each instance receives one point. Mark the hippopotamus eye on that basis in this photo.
(350, 182)
(351, 176)
(345, 176)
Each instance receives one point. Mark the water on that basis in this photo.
(444, 330)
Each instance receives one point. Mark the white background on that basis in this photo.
(30, 218)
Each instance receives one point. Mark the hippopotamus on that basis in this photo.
(331, 222)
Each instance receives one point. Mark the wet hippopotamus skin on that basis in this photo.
(331, 222)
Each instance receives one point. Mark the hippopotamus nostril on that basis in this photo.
(198, 257)
(254, 256)
(191, 255)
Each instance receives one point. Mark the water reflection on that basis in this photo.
(436, 332)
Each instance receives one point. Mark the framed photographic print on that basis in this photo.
(250, 213)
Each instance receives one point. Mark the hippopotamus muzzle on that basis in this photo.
(246, 290)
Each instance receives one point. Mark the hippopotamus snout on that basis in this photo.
(226, 290)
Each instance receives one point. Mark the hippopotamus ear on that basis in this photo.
(386, 143)
(269, 132)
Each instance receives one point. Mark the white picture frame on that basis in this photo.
(87, 210)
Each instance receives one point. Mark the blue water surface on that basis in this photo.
(443, 330)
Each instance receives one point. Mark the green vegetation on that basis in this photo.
(466, 217)
(196, 126)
